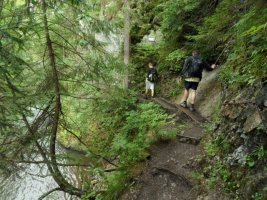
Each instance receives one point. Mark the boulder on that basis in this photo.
(252, 122)
(231, 111)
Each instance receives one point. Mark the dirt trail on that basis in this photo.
(167, 174)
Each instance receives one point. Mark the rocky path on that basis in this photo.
(167, 175)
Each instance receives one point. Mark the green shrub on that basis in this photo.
(133, 137)
(124, 130)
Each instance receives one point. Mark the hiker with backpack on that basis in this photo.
(192, 74)
(151, 78)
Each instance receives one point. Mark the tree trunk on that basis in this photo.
(58, 177)
(126, 41)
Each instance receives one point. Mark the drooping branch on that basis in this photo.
(58, 177)
(48, 162)
(49, 192)
(32, 129)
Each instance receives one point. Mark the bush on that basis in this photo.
(140, 129)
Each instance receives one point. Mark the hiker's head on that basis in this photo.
(195, 52)
(150, 64)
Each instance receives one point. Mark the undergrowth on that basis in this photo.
(127, 131)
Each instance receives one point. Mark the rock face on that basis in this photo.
(261, 101)
(244, 124)
(255, 183)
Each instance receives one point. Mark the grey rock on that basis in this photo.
(261, 101)
(238, 156)
(243, 136)
(231, 111)
(234, 127)
(252, 122)
(239, 131)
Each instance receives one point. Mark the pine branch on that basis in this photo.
(49, 192)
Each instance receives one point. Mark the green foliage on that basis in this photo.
(217, 145)
(86, 71)
(239, 38)
(133, 138)
(145, 52)
(250, 161)
(257, 155)
(142, 54)
(197, 175)
(144, 19)
(121, 128)
(175, 25)
(167, 134)
(261, 127)
(257, 196)
(259, 152)
(176, 55)
(174, 17)
(234, 32)
(247, 60)
(218, 172)
(171, 87)
(94, 107)
(215, 28)
(175, 60)
(117, 183)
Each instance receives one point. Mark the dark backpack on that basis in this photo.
(193, 68)
(152, 77)
(196, 65)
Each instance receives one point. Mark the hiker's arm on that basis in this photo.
(207, 66)
(213, 66)
(147, 74)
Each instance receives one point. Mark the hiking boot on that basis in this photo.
(184, 104)
(192, 108)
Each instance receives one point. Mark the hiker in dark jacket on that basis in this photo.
(192, 73)
(151, 77)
